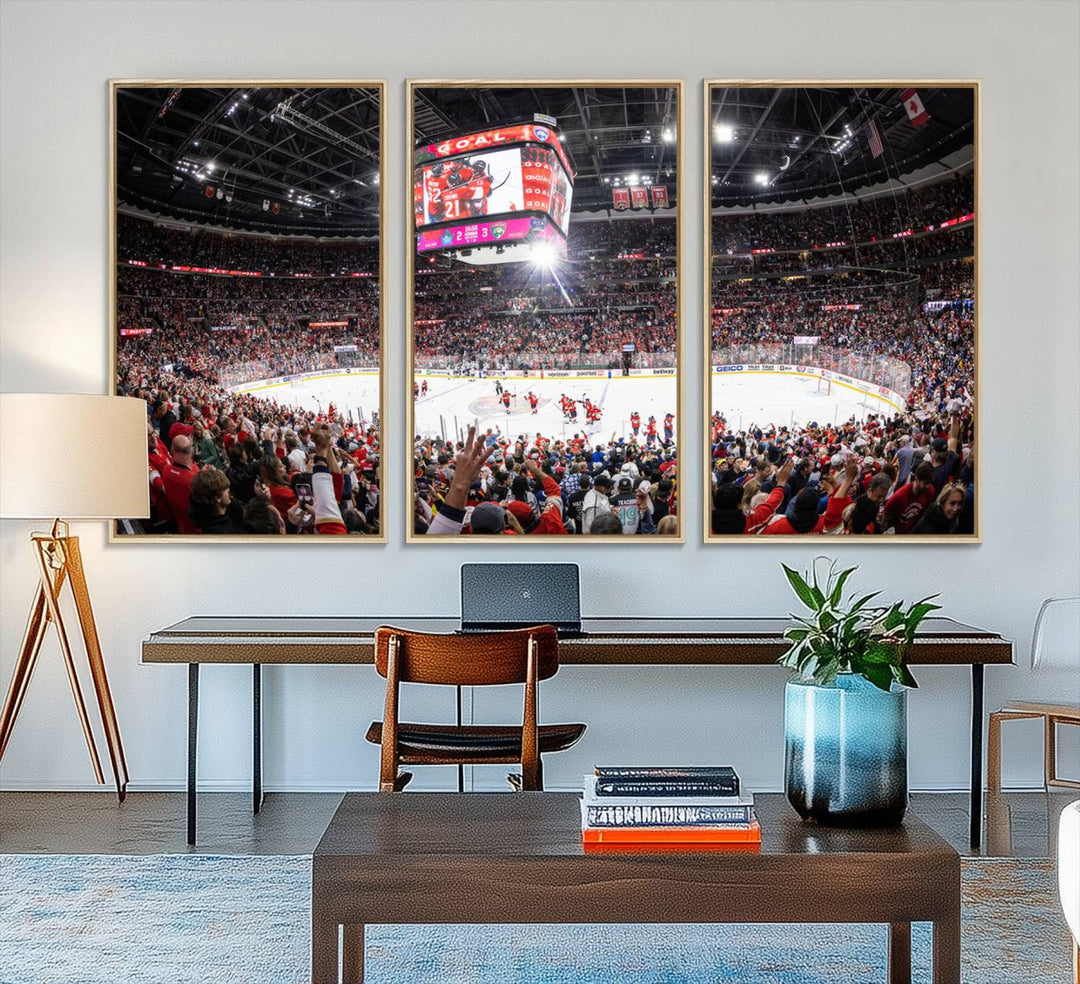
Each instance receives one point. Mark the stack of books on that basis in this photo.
(658, 806)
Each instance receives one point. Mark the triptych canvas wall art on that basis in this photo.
(544, 321)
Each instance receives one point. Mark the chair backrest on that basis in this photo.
(1055, 643)
(474, 660)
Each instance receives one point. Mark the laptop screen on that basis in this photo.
(519, 595)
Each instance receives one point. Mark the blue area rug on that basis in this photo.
(246, 920)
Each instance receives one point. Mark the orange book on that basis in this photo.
(748, 834)
(639, 848)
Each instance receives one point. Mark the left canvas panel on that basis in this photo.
(247, 304)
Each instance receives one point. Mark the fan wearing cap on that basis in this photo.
(802, 513)
(550, 520)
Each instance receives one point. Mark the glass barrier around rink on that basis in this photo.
(536, 360)
(881, 370)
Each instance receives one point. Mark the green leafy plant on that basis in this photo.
(852, 637)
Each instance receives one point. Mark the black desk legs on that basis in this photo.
(976, 753)
(256, 738)
(192, 747)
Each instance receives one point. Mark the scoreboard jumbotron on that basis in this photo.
(496, 196)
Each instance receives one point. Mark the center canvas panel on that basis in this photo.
(544, 329)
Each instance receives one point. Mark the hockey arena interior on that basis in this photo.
(842, 310)
(545, 305)
(247, 305)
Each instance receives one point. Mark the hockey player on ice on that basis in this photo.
(650, 433)
(635, 422)
(506, 400)
(669, 427)
(498, 387)
(534, 400)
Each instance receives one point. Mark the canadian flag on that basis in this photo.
(916, 111)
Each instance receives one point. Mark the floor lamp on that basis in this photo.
(109, 433)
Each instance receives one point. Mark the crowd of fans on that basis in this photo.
(909, 473)
(495, 484)
(145, 241)
(616, 287)
(861, 221)
(233, 463)
(887, 304)
(228, 463)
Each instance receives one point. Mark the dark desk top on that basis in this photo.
(388, 826)
(605, 640)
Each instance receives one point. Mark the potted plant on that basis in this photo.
(845, 714)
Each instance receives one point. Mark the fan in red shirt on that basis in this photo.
(177, 478)
(906, 505)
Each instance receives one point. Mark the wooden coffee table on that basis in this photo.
(428, 858)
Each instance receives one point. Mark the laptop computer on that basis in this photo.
(516, 596)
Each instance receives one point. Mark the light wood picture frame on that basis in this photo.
(252, 211)
(465, 126)
(841, 274)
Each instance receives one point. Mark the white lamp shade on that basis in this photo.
(73, 456)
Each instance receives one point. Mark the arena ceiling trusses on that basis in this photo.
(298, 161)
(772, 144)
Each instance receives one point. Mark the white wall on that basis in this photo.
(56, 58)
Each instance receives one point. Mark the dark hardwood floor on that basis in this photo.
(1022, 824)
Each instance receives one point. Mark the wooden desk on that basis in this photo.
(518, 858)
(604, 641)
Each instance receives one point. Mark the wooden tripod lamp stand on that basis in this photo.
(109, 435)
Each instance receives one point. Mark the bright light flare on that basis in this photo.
(545, 255)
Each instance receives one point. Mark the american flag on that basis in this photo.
(874, 139)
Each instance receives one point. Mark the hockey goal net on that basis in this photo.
(824, 386)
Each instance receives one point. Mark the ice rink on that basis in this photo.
(775, 398)
(356, 393)
(452, 404)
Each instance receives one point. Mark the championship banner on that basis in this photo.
(620, 198)
(659, 196)
(639, 197)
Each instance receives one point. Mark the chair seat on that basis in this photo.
(473, 743)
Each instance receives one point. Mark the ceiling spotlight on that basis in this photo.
(723, 133)
(632, 179)
(761, 178)
(607, 181)
(715, 179)
(646, 137)
(210, 166)
(544, 255)
(194, 143)
(375, 180)
(668, 135)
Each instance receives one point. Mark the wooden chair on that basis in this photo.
(486, 659)
(1058, 618)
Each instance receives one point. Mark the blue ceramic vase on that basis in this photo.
(846, 752)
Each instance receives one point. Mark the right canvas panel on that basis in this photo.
(843, 353)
